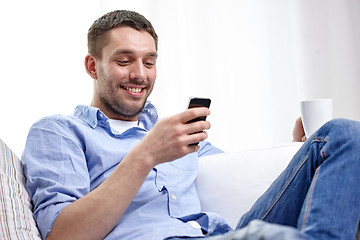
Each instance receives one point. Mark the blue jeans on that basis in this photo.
(318, 194)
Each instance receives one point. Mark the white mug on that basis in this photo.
(315, 113)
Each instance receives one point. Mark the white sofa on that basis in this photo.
(229, 183)
(229, 179)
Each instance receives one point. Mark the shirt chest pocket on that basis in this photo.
(180, 173)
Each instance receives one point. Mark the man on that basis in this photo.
(113, 171)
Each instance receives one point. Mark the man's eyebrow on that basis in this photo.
(123, 51)
(129, 52)
(153, 54)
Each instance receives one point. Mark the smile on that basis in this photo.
(133, 90)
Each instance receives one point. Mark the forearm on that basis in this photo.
(97, 213)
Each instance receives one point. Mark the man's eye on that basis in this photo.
(149, 63)
(123, 62)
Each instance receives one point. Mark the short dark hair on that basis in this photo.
(97, 32)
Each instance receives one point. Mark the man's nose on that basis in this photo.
(138, 71)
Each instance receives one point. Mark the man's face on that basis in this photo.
(125, 73)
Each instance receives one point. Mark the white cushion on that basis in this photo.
(229, 183)
(16, 217)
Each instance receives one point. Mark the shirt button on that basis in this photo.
(173, 196)
(101, 115)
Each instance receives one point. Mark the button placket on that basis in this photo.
(174, 204)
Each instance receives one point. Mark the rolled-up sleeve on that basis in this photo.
(206, 148)
(55, 168)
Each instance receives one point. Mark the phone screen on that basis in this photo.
(199, 102)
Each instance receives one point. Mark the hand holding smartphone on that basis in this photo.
(198, 102)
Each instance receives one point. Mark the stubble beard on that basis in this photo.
(121, 108)
(117, 105)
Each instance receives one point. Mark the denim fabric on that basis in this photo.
(319, 192)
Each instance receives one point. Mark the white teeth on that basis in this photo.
(134, 90)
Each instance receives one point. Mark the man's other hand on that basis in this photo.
(298, 132)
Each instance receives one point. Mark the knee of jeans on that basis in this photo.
(344, 129)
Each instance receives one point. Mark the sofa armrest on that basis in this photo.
(229, 183)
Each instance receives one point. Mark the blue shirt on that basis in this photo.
(66, 157)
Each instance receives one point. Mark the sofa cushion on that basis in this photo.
(16, 217)
(230, 183)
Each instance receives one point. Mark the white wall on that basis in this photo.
(43, 44)
(255, 58)
(327, 52)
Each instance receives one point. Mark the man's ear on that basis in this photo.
(90, 62)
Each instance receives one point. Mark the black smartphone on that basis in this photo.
(198, 102)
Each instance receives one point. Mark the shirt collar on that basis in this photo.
(94, 116)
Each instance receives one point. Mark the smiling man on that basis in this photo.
(124, 72)
(96, 173)
(113, 171)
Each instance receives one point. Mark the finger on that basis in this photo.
(196, 148)
(193, 113)
(193, 147)
(195, 138)
(198, 126)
